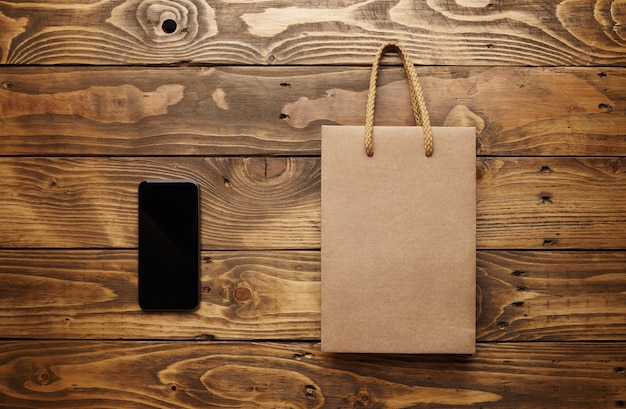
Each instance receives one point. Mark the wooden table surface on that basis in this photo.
(96, 96)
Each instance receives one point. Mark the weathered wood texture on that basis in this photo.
(551, 203)
(551, 295)
(279, 110)
(232, 93)
(91, 294)
(468, 32)
(75, 202)
(274, 203)
(218, 375)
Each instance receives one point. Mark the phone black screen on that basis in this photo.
(169, 245)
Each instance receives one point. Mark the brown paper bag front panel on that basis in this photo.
(398, 241)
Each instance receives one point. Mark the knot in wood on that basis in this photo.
(44, 377)
(242, 294)
(267, 169)
(364, 398)
(166, 23)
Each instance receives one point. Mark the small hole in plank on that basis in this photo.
(546, 199)
(169, 26)
(605, 107)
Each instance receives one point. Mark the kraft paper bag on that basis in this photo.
(398, 234)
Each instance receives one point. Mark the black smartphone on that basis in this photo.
(169, 245)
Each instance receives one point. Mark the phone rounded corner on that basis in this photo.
(144, 308)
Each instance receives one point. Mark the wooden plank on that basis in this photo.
(548, 295)
(92, 294)
(572, 203)
(554, 32)
(218, 375)
(277, 110)
(274, 203)
(253, 203)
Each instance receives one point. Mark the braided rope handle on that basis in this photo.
(420, 112)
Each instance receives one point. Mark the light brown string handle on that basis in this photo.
(420, 112)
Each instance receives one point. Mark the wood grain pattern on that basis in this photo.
(467, 32)
(253, 375)
(92, 294)
(122, 104)
(551, 203)
(253, 203)
(548, 295)
(262, 203)
(274, 110)
(97, 95)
